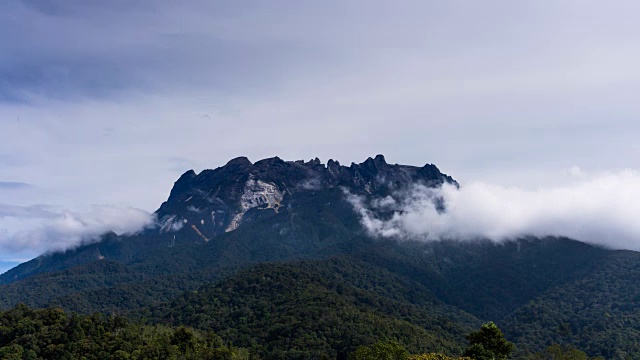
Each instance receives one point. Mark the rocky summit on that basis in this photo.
(220, 200)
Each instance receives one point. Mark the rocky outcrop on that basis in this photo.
(220, 200)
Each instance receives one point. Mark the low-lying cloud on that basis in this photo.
(42, 228)
(603, 209)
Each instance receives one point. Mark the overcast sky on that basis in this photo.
(103, 104)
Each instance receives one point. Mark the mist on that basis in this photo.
(47, 229)
(601, 209)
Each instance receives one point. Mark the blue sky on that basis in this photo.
(103, 104)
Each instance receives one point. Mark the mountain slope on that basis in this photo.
(599, 313)
(490, 279)
(324, 309)
(187, 265)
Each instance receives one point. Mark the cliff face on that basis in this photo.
(220, 200)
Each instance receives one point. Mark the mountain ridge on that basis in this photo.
(216, 201)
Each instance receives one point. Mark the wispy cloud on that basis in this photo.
(14, 185)
(601, 209)
(43, 228)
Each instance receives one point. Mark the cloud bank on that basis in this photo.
(601, 210)
(42, 228)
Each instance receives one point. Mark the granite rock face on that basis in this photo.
(217, 201)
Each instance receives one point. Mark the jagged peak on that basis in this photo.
(432, 166)
(240, 160)
(374, 163)
(315, 161)
(188, 174)
(290, 174)
(270, 161)
(183, 183)
(378, 160)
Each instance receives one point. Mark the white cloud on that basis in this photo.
(311, 184)
(40, 228)
(576, 171)
(602, 209)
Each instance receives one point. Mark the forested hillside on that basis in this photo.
(328, 307)
(541, 292)
(599, 313)
(51, 334)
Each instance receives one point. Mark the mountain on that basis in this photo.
(212, 224)
(248, 248)
(201, 207)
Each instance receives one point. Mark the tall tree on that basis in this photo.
(488, 343)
